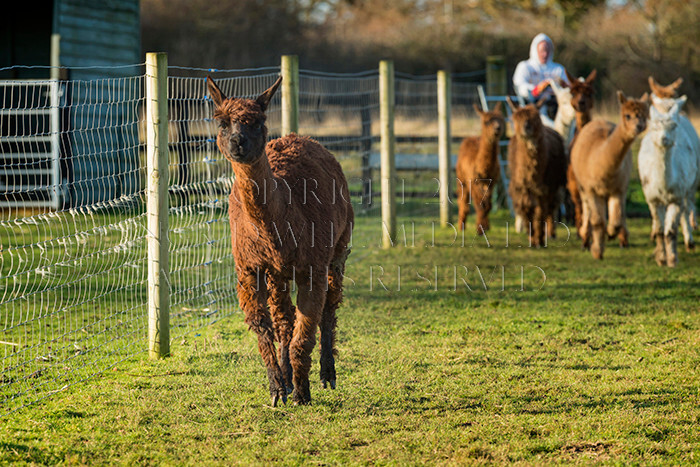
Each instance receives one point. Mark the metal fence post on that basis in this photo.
(496, 82)
(444, 89)
(157, 204)
(290, 94)
(388, 151)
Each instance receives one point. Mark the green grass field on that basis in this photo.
(450, 351)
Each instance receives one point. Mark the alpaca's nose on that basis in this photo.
(238, 139)
(666, 141)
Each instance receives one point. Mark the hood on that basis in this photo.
(533, 48)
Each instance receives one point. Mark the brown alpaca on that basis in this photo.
(582, 102)
(291, 219)
(665, 92)
(537, 163)
(602, 161)
(478, 169)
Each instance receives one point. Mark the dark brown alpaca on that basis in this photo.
(291, 219)
(582, 102)
(537, 165)
(478, 169)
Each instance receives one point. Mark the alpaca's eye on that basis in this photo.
(257, 127)
(222, 124)
(628, 117)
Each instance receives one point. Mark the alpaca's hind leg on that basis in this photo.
(686, 227)
(463, 203)
(252, 297)
(329, 320)
(311, 299)
(282, 312)
(673, 212)
(572, 188)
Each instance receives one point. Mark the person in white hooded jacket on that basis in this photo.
(531, 75)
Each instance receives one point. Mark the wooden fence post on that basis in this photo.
(444, 89)
(290, 94)
(496, 82)
(157, 204)
(388, 149)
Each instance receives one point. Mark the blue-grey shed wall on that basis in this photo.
(102, 102)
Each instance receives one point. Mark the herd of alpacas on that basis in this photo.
(282, 230)
(586, 164)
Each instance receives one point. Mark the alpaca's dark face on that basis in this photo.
(493, 124)
(582, 92)
(581, 97)
(241, 122)
(527, 122)
(241, 141)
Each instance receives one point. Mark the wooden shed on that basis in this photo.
(66, 132)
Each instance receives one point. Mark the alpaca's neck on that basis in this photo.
(257, 191)
(562, 125)
(487, 155)
(616, 148)
(582, 118)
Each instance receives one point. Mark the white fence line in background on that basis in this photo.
(74, 281)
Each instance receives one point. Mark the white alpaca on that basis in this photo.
(564, 121)
(669, 163)
(664, 105)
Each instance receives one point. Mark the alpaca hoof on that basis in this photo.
(672, 262)
(690, 247)
(301, 400)
(276, 398)
(327, 382)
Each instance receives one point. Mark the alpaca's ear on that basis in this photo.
(652, 84)
(513, 106)
(621, 97)
(498, 107)
(677, 105)
(645, 98)
(540, 102)
(478, 111)
(568, 76)
(591, 76)
(676, 84)
(264, 99)
(216, 95)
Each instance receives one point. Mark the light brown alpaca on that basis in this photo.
(478, 169)
(602, 161)
(537, 164)
(291, 219)
(582, 102)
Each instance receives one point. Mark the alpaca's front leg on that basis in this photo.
(282, 312)
(658, 213)
(482, 213)
(252, 298)
(597, 223)
(310, 301)
(616, 220)
(673, 212)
